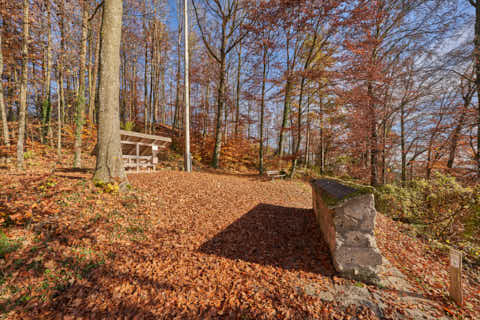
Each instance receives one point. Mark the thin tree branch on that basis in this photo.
(100, 5)
(210, 51)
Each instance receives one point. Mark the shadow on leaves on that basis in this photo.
(288, 238)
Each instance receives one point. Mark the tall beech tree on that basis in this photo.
(23, 86)
(476, 62)
(3, 112)
(231, 15)
(47, 94)
(81, 99)
(381, 31)
(109, 166)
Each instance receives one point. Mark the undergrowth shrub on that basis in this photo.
(27, 155)
(128, 126)
(441, 207)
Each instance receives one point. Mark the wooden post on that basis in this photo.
(154, 156)
(187, 157)
(138, 156)
(456, 276)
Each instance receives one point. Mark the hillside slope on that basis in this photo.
(200, 245)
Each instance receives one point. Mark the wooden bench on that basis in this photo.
(140, 150)
(275, 174)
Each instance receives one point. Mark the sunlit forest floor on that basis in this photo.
(195, 246)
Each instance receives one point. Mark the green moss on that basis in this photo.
(359, 190)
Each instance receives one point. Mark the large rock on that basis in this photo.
(346, 216)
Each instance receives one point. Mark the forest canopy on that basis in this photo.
(381, 91)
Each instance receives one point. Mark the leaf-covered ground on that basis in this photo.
(191, 246)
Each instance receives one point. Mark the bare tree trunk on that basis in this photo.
(145, 75)
(456, 132)
(59, 110)
(90, 54)
(384, 152)
(249, 108)
(152, 88)
(60, 78)
(225, 113)
(62, 60)
(476, 57)
(286, 114)
(287, 99)
(220, 106)
(46, 103)
(299, 129)
(80, 112)
(3, 111)
(23, 86)
(163, 115)
(429, 160)
(153, 74)
(123, 86)
(373, 138)
(402, 144)
(237, 96)
(177, 93)
(133, 89)
(207, 110)
(109, 167)
(262, 111)
(307, 138)
(94, 78)
(322, 136)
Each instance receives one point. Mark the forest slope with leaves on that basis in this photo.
(199, 245)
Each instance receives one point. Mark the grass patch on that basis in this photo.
(134, 229)
(7, 245)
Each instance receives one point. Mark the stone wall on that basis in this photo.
(347, 221)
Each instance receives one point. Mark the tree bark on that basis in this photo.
(59, 110)
(402, 144)
(145, 75)
(207, 110)
(47, 100)
(384, 152)
(467, 99)
(3, 111)
(23, 86)
(176, 118)
(322, 134)
(80, 112)
(237, 95)
(307, 138)
(373, 138)
(286, 107)
(94, 78)
(299, 129)
(262, 110)
(220, 103)
(109, 166)
(60, 78)
(476, 55)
